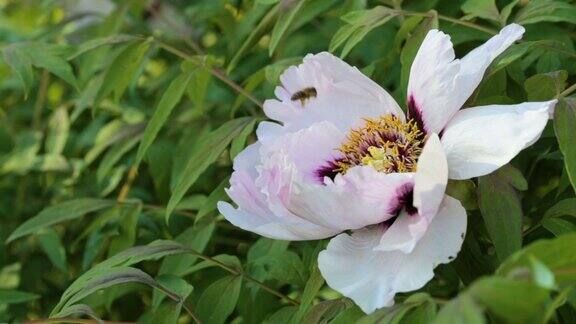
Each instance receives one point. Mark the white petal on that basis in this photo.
(431, 178)
(479, 140)
(371, 278)
(361, 197)
(439, 85)
(343, 95)
(429, 185)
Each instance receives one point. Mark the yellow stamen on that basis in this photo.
(387, 144)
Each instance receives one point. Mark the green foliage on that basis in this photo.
(118, 129)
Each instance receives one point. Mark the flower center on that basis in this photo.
(386, 143)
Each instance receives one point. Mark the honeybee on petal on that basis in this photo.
(304, 95)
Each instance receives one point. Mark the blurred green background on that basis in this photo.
(119, 121)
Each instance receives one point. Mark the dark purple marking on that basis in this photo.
(415, 112)
(404, 200)
(328, 170)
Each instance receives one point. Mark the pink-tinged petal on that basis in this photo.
(307, 149)
(263, 214)
(429, 185)
(440, 84)
(479, 140)
(277, 229)
(260, 192)
(361, 197)
(351, 265)
(341, 95)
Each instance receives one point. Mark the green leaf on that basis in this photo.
(111, 271)
(210, 204)
(108, 278)
(113, 156)
(47, 57)
(177, 285)
(322, 312)
(286, 266)
(558, 226)
(59, 213)
(546, 10)
(59, 127)
(167, 102)
(204, 155)
(359, 24)
(564, 207)
(257, 32)
(20, 63)
(52, 246)
(501, 211)
(122, 70)
(556, 254)
(565, 129)
(512, 301)
(313, 285)
(282, 24)
(219, 300)
(195, 237)
(239, 142)
(99, 42)
(546, 86)
(485, 9)
(460, 310)
(16, 297)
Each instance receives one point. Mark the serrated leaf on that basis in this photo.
(59, 213)
(205, 154)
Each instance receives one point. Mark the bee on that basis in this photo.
(304, 95)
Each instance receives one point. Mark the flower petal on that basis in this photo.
(262, 211)
(361, 197)
(439, 84)
(371, 278)
(429, 185)
(325, 88)
(479, 140)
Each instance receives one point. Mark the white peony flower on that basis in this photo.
(345, 157)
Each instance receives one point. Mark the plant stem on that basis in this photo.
(71, 320)
(132, 173)
(568, 91)
(244, 276)
(40, 100)
(447, 18)
(215, 72)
